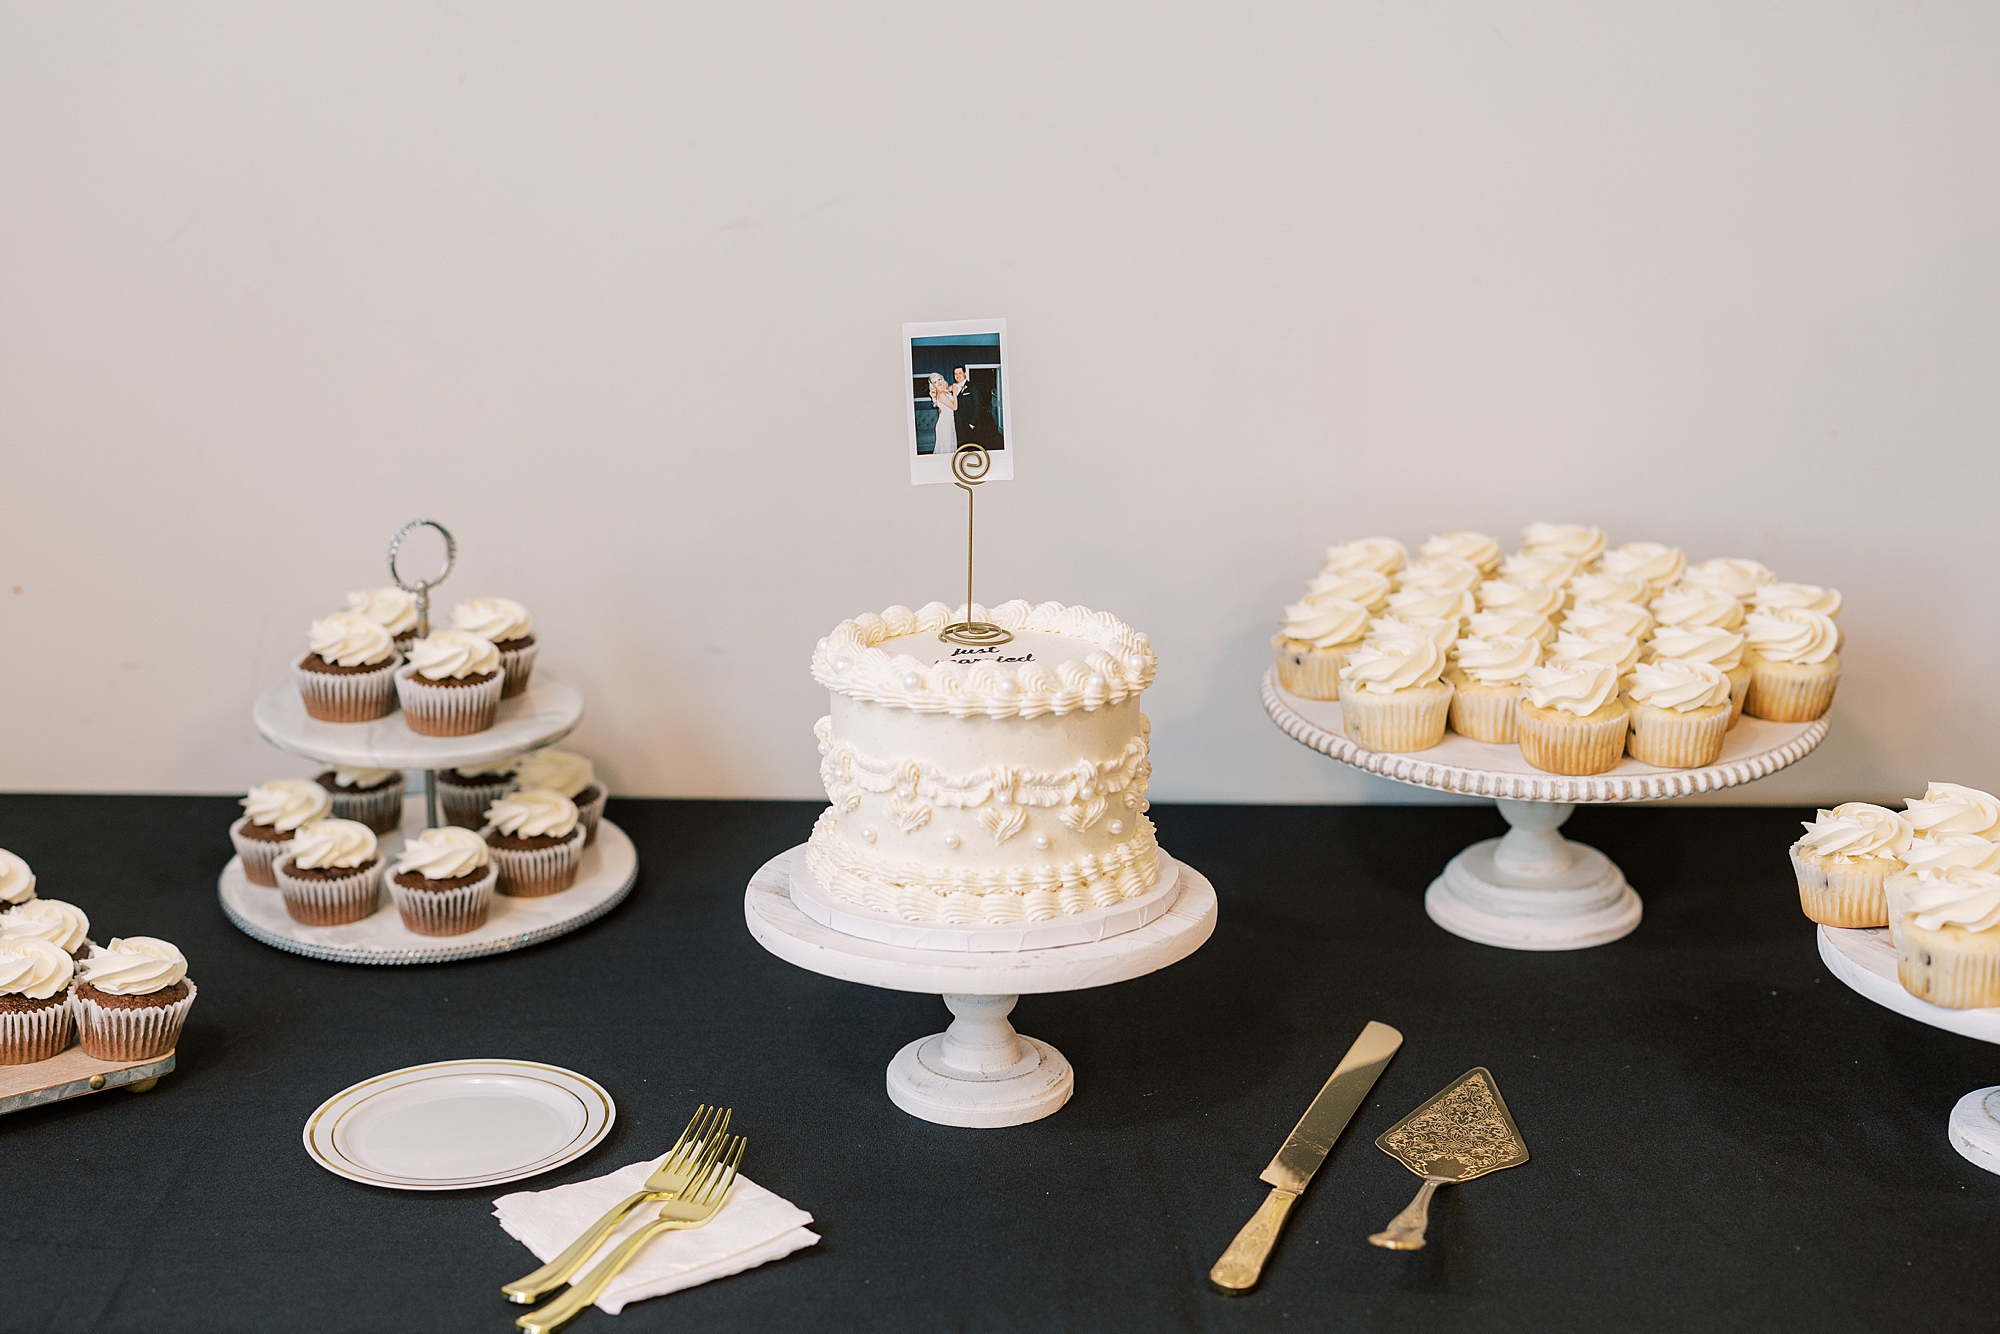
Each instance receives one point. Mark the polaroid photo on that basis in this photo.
(957, 396)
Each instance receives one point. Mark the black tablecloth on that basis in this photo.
(1724, 1136)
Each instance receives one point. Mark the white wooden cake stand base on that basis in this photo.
(979, 1072)
(1866, 961)
(1533, 889)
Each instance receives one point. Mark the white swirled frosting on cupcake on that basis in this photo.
(17, 882)
(134, 966)
(456, 654)
(63, 925)
(32, 967)
(443, 854)
(533, 813)
(561, 771)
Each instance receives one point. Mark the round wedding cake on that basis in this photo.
(984, 784)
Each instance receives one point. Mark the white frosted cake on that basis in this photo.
(996, 784)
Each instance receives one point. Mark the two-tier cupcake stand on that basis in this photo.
(1533, 889)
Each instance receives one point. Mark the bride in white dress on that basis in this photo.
(946, 398)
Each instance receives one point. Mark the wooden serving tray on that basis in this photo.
(73, 1075)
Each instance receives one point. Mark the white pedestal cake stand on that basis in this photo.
(1533, 889)
(979, 1072)
(1866, 961)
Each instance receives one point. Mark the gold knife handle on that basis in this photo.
(1243, 1263)
(557, 1271)
(1406, 1230)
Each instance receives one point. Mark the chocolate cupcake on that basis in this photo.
(464, 793)
(332, 874)
(349, 676)
(536, 838)
(452, 685)
(35, 1019)
(272, 815)
(507, 623)
(61, 924)
(443, 882)
(17, 882)
(372, 796)
(570, 774)
(392, 609)
(131, 1000)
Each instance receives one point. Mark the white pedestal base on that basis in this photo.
(1533, 889)
(979, 1072)
(1975, 1128)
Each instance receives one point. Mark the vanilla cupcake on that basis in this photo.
(1687, 604)
(1426, 604)
(372, 796)
(1809, 597)
(272, 815)
(1571, 719)
(507, 623)
(1446, 574)
(332, 873)
(35, 1019)
(1926, 858)
(1393, 696)
(570, 774)
(452, 685)
(1793, 665)
(63, 925)
(1947, 933)
(536, 838)
(1478, 548)
(1657, 564)
(1947, 809)
(1511, 625)
(17, 882)
(1843, 859)
(1384, 555)
(132, 998)
(465, 792)
(1729, 575)
(1366, 588)
(1529, 568)
(1520, 597)
(1486, 678)
(1311, 644)
(443, 882)
(1605, 588)
(348, 676)
(1618, 652)
(1722, 649)
(1595, 620)
(394, 609)
(1441, 632)
(1572, 541)
(1680, 711)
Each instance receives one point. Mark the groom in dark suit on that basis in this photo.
(969, 420)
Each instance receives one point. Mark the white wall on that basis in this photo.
(614, 291)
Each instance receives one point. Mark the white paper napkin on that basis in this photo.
(754, 1227)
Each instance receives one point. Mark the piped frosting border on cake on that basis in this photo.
(1120, 666)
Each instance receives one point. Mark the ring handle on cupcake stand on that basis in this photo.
(421, 590)
(1533, 889)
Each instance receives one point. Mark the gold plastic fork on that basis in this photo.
(693, 1207)
(670, 1178)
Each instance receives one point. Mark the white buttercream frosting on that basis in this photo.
(1593, 620)
(286, 803)
(1654, 562)
(1368, 587)
(63, 925)
(1607, 588)
(1539, 567)
(496, 619)
(1688, 604)
(1114, 662)
(391, 608)
(490, 768)
(1581, 688)
(33, 967)
(1618, 652)
(1507, 595)
(1512, 624)
(333, 845)
(1961, 897)
(1677, 684)
(533, 813)
(350, 639)
(1792, 635)
(454, 653)
(1384, 555)
(1500, 661)
(17, 882)
(1698, 643)
(1445, 574)
(1926, 857)
(1572, 541)
(134, 966)
(1384, 666)
(1728, 574)
(1439, 631)
(347, 776)
(1856, 829)
(443, 854)
(1810, 597)
(561, 771)
(1948, 808)
(1478, 548)
(1324, 625)
(1420, 602)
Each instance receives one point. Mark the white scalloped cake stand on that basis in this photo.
(1533, 889)
(1865, 960)
(979, 1072)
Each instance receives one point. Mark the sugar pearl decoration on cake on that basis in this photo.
(1042, 842)
(951, 841)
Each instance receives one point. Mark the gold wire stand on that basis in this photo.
(968, 469)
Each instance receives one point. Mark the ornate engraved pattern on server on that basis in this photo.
(1465, 1132)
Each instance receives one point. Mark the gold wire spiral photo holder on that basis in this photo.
(968, 469)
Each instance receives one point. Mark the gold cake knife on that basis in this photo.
(1237, 1272)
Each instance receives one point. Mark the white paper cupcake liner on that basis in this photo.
(465, 806)
(1675, 740)
(361, 697)
(381, 809)
(1399, 722)
(1308, 672)
(1571, 745)
(260, 859)
(534, 872)
(1739, 690)
(593, 812)
(446, 912)
(27, 1036)
(332, 902)
(1842, 893)
(1782, 692)
(130, 1035)
(520, 666)
(1484, 713)
(459, 710)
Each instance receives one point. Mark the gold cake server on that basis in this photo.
(1237, 1272)
(1463, 1132)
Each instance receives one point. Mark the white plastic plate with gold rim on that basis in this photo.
(1534, 889)
(1865, 960)
(544, 714)
(459, 1125)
